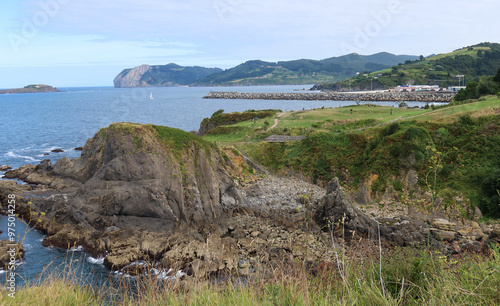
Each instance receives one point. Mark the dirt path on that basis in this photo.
(276, 121)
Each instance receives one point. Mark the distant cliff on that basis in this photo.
(30, 89)
(162, 76)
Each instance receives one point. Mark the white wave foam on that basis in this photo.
(96, 261)
(26, 149)
(166, 275)
(14, 155)
(159, 273)
(77, 249)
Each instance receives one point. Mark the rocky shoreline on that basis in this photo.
(160, 195)
(339, 96)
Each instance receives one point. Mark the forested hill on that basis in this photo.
(303, 71)
(442, 69)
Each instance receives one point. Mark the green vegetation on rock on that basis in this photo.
(180, 139)
(219, 118)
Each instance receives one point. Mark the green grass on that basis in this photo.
(179, 139)
(463, 51)
(409, 277)
(485, 106)
(305, 122)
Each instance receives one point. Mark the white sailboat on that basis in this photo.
(151, 96)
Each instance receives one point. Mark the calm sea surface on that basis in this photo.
(32, 125)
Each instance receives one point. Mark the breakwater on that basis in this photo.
(338, 96)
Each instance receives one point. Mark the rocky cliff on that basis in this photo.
(161, 76)
(132, 180)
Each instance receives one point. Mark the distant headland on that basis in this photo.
(30, 89)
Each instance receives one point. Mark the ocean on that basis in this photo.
(32, 125)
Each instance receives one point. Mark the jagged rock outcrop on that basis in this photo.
(132, 182)
(161, 76)
(338, 210)
(337, 207)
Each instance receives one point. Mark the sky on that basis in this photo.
(71, 43)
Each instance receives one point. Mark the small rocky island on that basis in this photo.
(37, 88)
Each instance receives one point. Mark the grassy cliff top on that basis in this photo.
(173, 138)
(342, 120)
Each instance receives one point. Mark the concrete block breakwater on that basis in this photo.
(338, 96)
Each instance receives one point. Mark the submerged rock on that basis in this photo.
(5, 168)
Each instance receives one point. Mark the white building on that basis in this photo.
(410, 88)
(456, 88)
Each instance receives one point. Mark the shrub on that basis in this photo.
(398, 185)
(220, 111)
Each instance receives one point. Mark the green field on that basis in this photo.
(464, 51)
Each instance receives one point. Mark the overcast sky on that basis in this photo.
(88, 42)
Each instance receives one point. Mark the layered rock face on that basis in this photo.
(131, 185)
(338, 209)
(131, 77)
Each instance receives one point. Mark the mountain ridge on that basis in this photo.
(302, 71)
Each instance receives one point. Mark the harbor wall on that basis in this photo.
(338, 96)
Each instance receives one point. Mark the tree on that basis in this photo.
(468, 93)
(422, 57)
(497, 76)
(487, 86)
